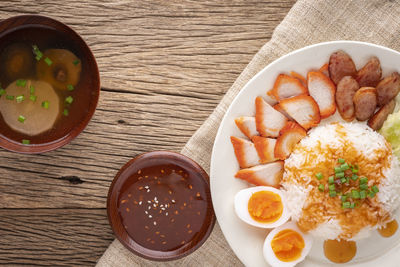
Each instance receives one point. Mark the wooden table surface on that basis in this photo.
(164, 66)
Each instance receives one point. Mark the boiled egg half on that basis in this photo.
(286, 245)
(261, 206)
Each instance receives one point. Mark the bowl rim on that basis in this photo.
(16, 22)
(114, 218)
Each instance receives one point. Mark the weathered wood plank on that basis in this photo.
(192, 48)
(53, 237)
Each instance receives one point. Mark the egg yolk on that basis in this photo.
(265, 206)
(287, 245)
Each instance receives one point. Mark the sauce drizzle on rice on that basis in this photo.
(316, 211)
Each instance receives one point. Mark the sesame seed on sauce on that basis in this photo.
(166, 207)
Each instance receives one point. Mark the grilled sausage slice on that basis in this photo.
(345, 92)
(365, 103)
(340, 65)
(376, 121)
(370, 74)
(388, 88)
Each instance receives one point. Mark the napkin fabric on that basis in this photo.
(308, 22)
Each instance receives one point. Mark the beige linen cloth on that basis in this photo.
(308, 22)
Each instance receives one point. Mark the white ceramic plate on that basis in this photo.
(247, 241)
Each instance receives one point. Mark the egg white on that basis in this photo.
(241, 206)
(269, 254)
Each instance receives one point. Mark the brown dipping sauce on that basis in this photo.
(389, 230)
(163, 206)
(340, 251)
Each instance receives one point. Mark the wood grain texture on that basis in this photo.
(164, 66)
(56, 237)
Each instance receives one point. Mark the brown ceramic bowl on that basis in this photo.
(166, 188)
(39, 27)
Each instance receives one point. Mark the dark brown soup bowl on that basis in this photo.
(159, 206)
(46, 32)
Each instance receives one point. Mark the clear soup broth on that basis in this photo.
(38, 53)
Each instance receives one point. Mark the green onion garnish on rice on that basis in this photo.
(355, 194)
(344, 167)
(339, 175)
(338, 169)
(363, 186)
(346, 205)
(375, 189)
(321, 187)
